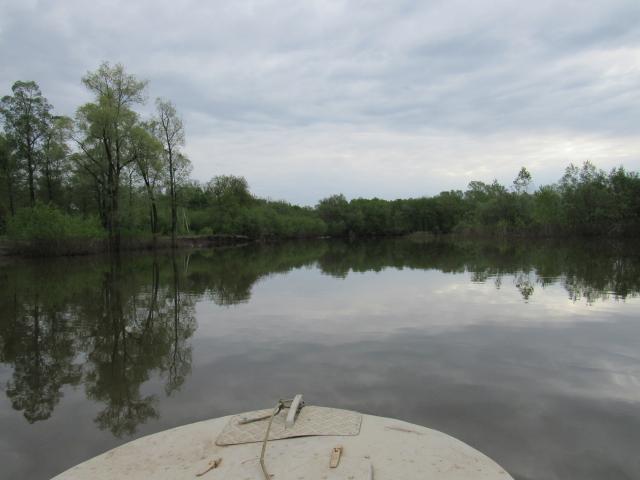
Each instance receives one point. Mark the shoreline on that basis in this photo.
(87, 247)
(75, 248)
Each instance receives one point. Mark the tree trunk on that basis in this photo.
(115, 223)
(112, 189)
(102, 207)
(48, 177)
(154, 218)
(172, 193)
(153, 210)
(49, 185)
(131, 198)
(31, 172)
(11, 194)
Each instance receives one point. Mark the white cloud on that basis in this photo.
(309, 163)
(365, 97)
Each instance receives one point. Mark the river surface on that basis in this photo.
(529, 352)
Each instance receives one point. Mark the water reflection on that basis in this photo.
(588, 270)
(109, 327)
(42, 351)
(123, 334)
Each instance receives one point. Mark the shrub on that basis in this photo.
(46, 230)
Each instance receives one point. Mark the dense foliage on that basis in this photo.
(111, 173)
(586, 201)
(46, 223)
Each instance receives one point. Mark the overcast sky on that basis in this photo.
(385, 98)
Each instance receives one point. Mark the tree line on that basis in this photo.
(110, 172)
(55, 168)
(586, 201)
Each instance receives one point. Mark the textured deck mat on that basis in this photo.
(311, 421)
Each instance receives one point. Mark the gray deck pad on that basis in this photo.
(311, 421)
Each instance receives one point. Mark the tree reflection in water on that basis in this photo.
(42, 351)
(112, 334)
(114, 325)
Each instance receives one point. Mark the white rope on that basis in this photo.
(282, 404)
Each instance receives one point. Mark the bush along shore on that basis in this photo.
(586, 202)
(89, 246)
(65, 189)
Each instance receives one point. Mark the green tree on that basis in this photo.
(27, 118)
(55, 156)
(548, 213)
(229, 190)
(105, 134)
(522, 181)
(170, 131)
(449, 208)
(625, 190)
(88, 184)
(150, 168)
(334, 210)
(588, 204)
(8, 170)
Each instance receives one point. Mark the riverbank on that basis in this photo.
(79, 247)
(71, 247)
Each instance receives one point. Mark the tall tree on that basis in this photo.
(522, 181)
(105, 128)
(229, 189)
(88, 183)
(55, 154)
(27, 115)
(8, 169)
(171, 133)
(149, 167)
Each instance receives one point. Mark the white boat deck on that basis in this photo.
(384, 449)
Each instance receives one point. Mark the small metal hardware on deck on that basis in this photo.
(296, 404)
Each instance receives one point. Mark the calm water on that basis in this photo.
(529, 352)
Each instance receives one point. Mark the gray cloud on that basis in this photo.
(333, 93)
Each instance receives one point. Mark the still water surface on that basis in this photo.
(528, 352)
